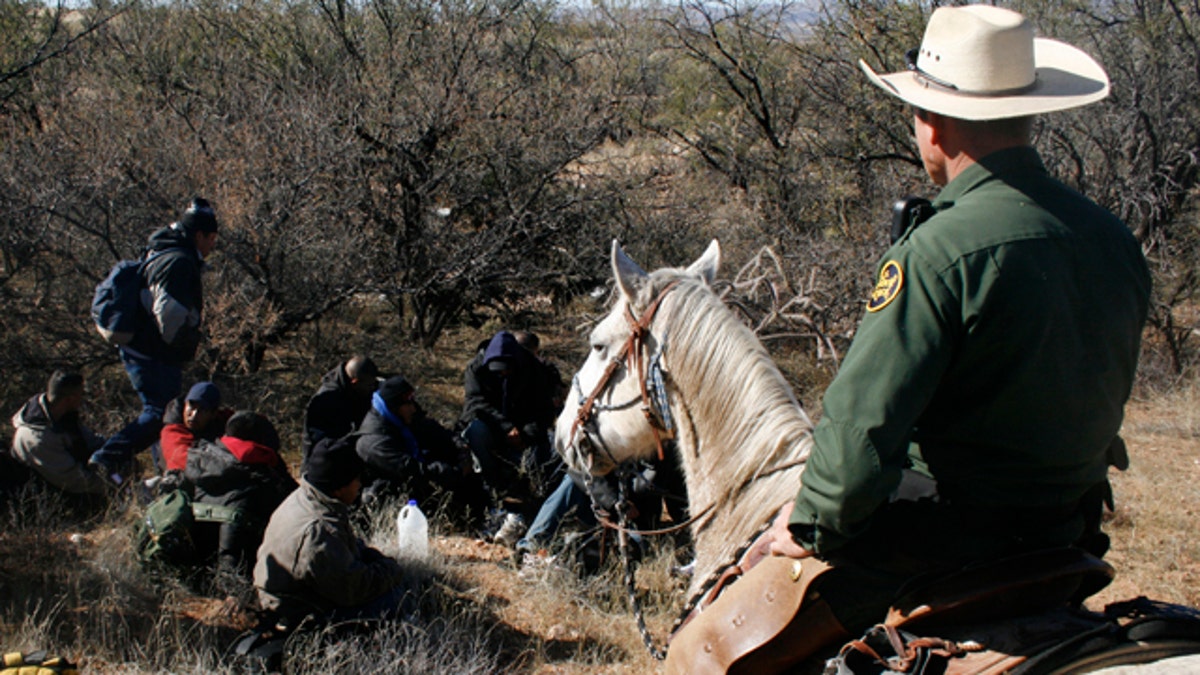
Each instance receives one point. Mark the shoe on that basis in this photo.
(535, 566)
(510, 531)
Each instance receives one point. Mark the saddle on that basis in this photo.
(751, 621)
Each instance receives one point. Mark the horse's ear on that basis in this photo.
(629, 276)
(706, 266)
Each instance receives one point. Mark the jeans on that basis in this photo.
(566, 496)
(156, 384)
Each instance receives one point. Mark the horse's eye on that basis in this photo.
(597, 348)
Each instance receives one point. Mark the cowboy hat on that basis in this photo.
(980, 62)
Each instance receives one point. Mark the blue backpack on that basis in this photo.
(117, 304)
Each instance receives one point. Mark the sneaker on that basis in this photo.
(536, 566)
(510, 531)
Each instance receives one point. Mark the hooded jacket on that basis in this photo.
(173, 298)
(399, 453)
(310, 562)
(246, 476)
(57, 450)
(334, 411)
(523, 399)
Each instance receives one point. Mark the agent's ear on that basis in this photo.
(630, 278)
(706, 265)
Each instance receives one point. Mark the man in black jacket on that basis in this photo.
(341, 402)
(407, 453)
(169, 333)
(508, 411)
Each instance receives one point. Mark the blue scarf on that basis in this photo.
(381, 407)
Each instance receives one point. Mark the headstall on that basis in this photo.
(649, 373)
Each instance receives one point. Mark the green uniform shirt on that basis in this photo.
(998, 348)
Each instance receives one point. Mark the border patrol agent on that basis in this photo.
(998, 347)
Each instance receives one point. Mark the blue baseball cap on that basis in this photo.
(205, 395)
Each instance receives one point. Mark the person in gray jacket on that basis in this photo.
(51, 440)
(310, 563)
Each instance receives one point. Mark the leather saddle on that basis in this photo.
(750, 619)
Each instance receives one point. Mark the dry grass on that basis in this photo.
(1155, 549)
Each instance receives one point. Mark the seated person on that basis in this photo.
(244, 472)
(407, 453)
(654, 484)
(508, 412)
(53, 443)
(554, 382)
(341, 402)
(310, 563)
(194, 416)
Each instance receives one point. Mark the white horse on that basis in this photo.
(672, 360)
(741, 436)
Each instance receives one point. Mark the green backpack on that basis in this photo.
(164, 534)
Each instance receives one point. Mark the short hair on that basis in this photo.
(251, 426)
(360, 367)
(62, 384)
(528, 339)
(1017, 128)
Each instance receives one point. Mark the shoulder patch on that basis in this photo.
(891, 280)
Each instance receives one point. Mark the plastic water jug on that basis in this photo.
(412, 530)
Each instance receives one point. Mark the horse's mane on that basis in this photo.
(741, 431)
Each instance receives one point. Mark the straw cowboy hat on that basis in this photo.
(980, 62)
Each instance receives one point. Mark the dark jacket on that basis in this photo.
(334, 411)
(246, 476)
(997, 352)
(408, 457)
(523, 399)
(173, 299)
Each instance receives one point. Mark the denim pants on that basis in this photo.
(566, 496)
(156, 383)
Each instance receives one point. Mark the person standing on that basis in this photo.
(173, 298)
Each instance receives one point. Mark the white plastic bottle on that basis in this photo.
(412, 530)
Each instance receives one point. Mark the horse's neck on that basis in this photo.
(736, 489)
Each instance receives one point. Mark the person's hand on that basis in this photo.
(782, 542)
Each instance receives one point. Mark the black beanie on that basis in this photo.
(333, 464)
(199, 217)
(395, 390)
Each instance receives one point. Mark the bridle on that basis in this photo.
(652, 390)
